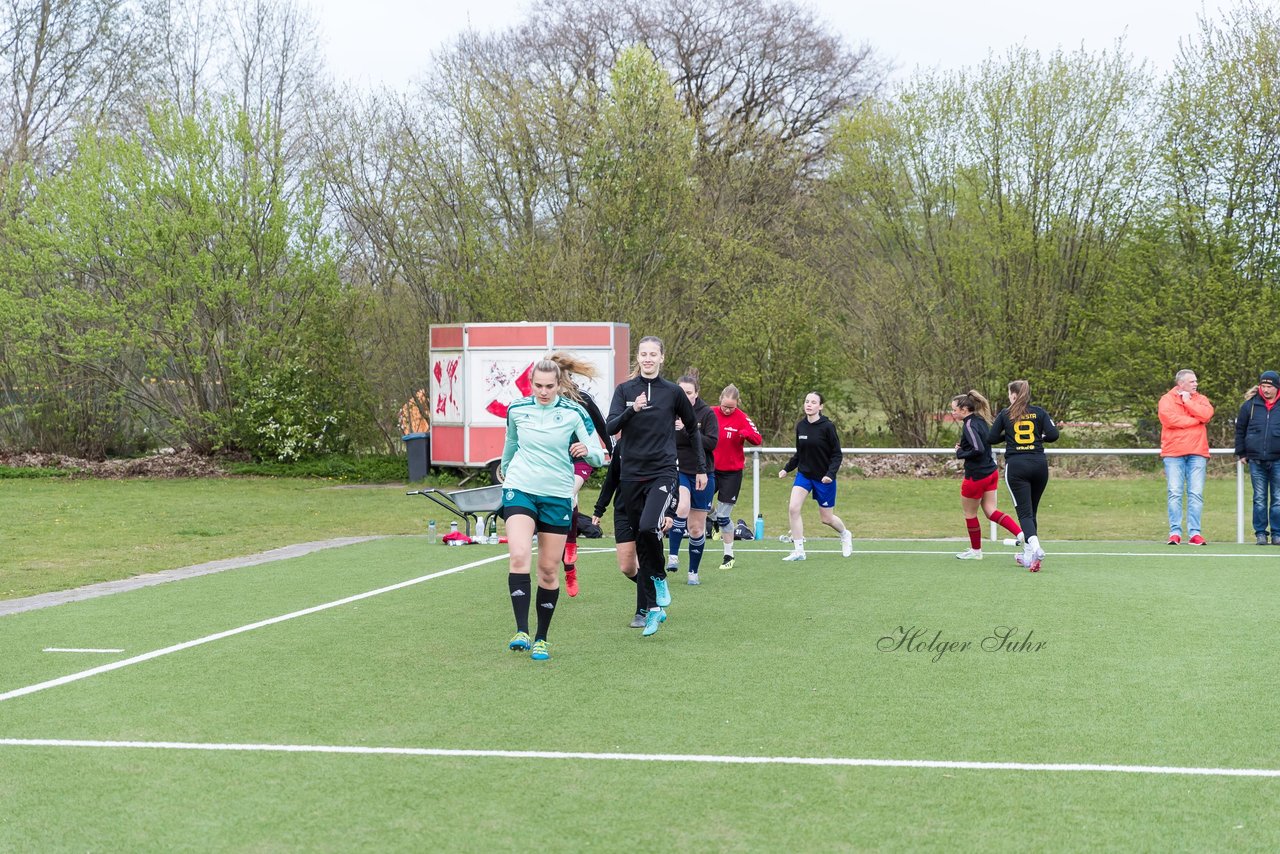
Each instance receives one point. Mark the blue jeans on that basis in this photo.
(1265, 476)
(1185, 473)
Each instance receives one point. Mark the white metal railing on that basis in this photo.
(950, 452)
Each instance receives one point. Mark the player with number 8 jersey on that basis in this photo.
(1024, 429)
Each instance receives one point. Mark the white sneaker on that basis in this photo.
(795, 556)
(970, 554)
(846, 543)
(673, 562)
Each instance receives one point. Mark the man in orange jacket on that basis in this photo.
(1184, 446)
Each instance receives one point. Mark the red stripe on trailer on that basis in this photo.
(622, 347)
(582, 336)
(446, 337)
(486, 443)
(447, 445)
(531, 335)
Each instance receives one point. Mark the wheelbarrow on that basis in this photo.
(468, 504)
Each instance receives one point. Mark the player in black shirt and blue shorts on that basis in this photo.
(815, 462)
(694, 504)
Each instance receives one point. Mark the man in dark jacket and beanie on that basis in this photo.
(1258, 443)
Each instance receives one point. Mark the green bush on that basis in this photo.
(288, 415)
(28, 472)
(348, 468)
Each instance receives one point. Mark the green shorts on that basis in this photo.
(551, 515)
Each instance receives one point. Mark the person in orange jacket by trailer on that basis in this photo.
(1184, 446)
(413, 415)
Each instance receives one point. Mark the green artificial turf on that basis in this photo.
(1148, 656)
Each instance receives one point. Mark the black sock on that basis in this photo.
(546, 610)
(646, 594)
(520, 588)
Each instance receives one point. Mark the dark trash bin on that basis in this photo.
(418, 447)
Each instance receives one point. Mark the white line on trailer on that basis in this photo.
(178, 647)
(77, 649)
(708, 759)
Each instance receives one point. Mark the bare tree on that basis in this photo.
(752, 75)
(273, 69)
(187, 36)
(66, 64)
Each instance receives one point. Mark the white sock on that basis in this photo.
(728, 549)
(797, 545)
(1033, 541)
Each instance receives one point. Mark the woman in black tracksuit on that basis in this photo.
(644, 410)
(624, 534)
(1024, 429)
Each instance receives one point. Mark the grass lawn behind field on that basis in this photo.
(57, 535)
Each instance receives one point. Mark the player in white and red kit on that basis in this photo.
(736, 429)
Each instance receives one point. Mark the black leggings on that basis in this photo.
(1027, 476)
(646, 503)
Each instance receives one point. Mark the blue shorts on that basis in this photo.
(699, 499)
(550, 515)
(824, 493)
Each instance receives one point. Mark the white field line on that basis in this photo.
(75, 649)
(706, 759)
(995, 553)
(178, 647)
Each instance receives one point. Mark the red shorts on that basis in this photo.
(977, 488)
(582, 470)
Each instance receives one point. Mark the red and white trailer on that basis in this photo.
(479, 369)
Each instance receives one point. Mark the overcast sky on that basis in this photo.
(390, 41)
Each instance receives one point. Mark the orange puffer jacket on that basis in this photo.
(1184, 432)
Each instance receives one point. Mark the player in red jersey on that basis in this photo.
(736, 430)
